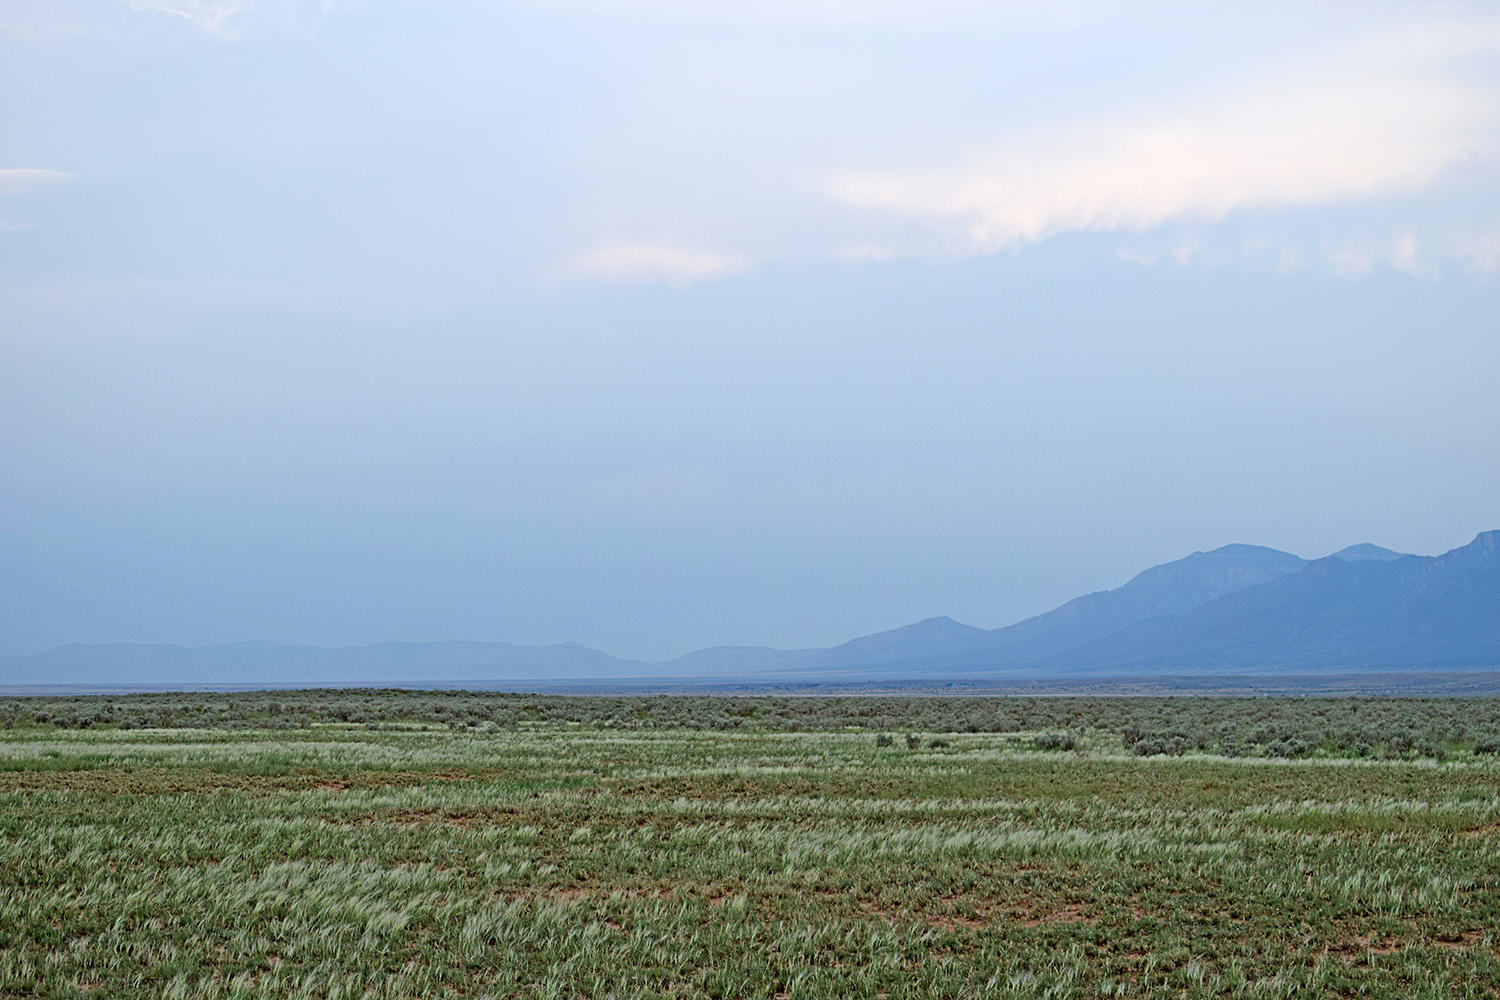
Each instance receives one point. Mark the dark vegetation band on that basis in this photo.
(1275, 727)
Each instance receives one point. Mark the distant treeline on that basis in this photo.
(1281, 727)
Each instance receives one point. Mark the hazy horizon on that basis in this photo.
(337, 323)
(648, 659)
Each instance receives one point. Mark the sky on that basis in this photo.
(655, 326)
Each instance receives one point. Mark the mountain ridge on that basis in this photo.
(1237, 608)
(1428, 611)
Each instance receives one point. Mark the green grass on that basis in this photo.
(556, 861)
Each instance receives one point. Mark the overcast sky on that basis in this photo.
(774, 322)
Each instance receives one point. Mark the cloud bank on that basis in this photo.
(1388, 115)
(1010, 125)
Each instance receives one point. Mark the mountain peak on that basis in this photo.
(1366, 552)
(1481, 552)
(940, 625)
(1485, 543)
(1241, 549)
(1222, 569)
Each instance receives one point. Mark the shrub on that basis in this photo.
(1288, 748)
(1158, 746)
(1055, 741)
(1398, 743)
(1427, 748)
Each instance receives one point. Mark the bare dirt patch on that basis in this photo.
(940, 917)
(1464, 942)
(1067, 913)
(462, 817)
(1363, 947)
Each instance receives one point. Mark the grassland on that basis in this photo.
(554, 858)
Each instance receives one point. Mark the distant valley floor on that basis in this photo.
(1468, 683)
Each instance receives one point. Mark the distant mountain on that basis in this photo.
(730, 660)
(1239, 609)
(1173, 588)
(1364, 551)
(935, 638)
(1408, 612)
(268, 663)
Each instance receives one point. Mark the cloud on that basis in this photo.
(21, 180)
(1479, 251)
(1422, 254)
(1426, 249)
(650, 264)
(233, 18)
(1387, 115)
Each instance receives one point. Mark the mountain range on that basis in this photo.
(1236, 610)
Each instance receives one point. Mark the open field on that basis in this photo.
(558, 857)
